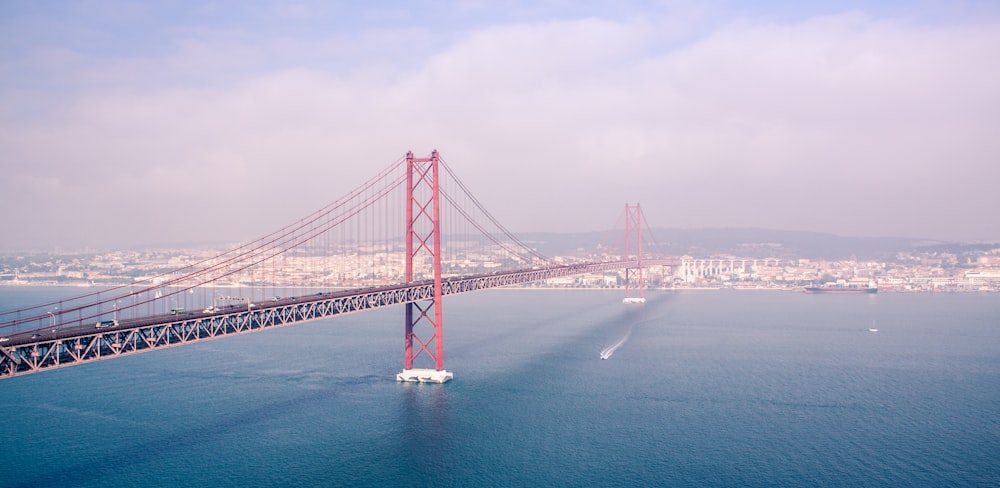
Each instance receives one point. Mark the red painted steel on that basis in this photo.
(408, 273)
(633, 221)
(422, 191)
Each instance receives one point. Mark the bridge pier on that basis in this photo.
(424, 375)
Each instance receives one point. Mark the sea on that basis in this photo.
(709, 388)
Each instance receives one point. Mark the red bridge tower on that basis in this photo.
(633, 275)
(423, 238)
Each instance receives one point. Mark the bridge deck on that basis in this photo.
(37, 351)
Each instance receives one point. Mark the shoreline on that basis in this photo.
(312, 287)
(801, 289)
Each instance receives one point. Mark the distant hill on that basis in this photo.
(747, 242)
(750, 242)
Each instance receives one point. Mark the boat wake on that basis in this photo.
(607, 352)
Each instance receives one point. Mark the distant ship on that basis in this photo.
(838, 288)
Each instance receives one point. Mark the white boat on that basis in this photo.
(628, 300)
(608, 351)
(872, 328)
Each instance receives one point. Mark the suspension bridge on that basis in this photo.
(381, 245)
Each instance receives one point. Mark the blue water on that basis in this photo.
(711, 388)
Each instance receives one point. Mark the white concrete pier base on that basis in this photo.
(418, 375)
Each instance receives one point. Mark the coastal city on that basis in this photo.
(907, 272)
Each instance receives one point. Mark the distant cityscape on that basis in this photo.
(908, 271)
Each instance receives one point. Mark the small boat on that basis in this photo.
(872, 328)
(608, 351)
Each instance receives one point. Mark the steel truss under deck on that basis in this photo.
(89, 344)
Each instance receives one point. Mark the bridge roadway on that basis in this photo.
(36, 351)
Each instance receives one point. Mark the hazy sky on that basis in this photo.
(128, 123)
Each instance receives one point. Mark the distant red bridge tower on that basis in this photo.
(633, 275)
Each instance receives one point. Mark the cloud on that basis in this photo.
(746, 126)
(841, 123)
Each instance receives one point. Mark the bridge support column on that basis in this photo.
(633, 275)
(423, 238)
